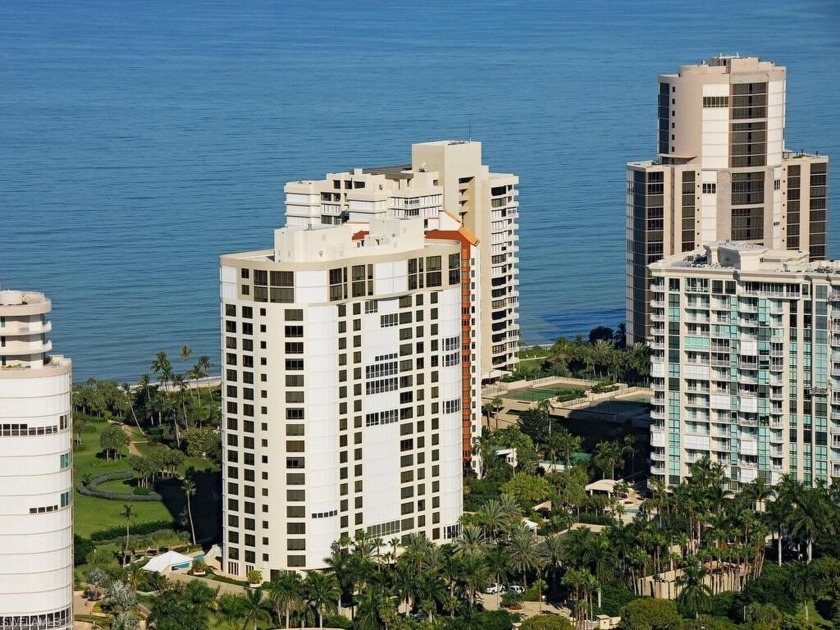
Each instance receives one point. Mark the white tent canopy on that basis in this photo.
(166, 561)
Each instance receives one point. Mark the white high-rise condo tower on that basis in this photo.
(722, 173)
(347, 362)
(36, 485)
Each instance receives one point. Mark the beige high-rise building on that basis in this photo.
(746, 364)
(443, 177)
(722, 172)
(347, 369)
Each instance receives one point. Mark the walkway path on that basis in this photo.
(132, 443)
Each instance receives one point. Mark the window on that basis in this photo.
(338, 284)
(709, 189)
(386, 321)
(452, 406)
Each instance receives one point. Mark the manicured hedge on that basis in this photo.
(140, 529)
(91, 489)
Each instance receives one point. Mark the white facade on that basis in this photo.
(36, 486)
(745, 367)
(445, 177)
(343, 391)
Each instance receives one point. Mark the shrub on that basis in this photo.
(547, 622)
(602, 387)
(117, 532)
(142, 492)
(91, 489)
(614, 598)
(650, 614)
(565, 395)
(337, 621)
(771, 587)
(81, 548)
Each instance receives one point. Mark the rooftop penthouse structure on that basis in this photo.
(722, 173)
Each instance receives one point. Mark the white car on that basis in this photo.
(516, 589)
(495, 588)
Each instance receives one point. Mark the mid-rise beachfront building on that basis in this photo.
(722, 173)
(746, 364)
(346, 366)
(443, 177)
(36, 486)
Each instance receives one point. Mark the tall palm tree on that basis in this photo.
(231, 609)
(523, 550)
(475, 575)
(808, 518)
(252, 608)
(471, 541)
(694, 595)
(188, 486)
(492, 518)
(322, 591)
(126, 514)
(162, 368)
(285, 592)
(568, 444)
(607, 456)
(628, 449)
(803, 583)
(497, 404)
(551, 552)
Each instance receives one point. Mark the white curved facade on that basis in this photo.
(36, 479)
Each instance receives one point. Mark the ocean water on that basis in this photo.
(140, 140)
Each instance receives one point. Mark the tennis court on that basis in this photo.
(535, 394)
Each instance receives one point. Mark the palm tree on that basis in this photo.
(188, 486)
(607, 456)
(496, 404)
(474, 575)
(129, 396)
(231, 609)
(471, 541)
(126, 514)
(551, 553)
(322, 591)
(808, 518)
(491, 517)
(252, 608)
(628, 449)
(695, 595)
(523, 550)
(162, 368)
(285, 594)
(540, 585)
(580, 581)
(803, 583)
(568, 444)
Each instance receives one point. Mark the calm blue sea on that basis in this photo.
(140, 140)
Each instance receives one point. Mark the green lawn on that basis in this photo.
(92, 513)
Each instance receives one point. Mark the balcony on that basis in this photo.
(657, 317)
(657, 303)
(657, 345)
(657, 414)
(658, 456)
(657, 469)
